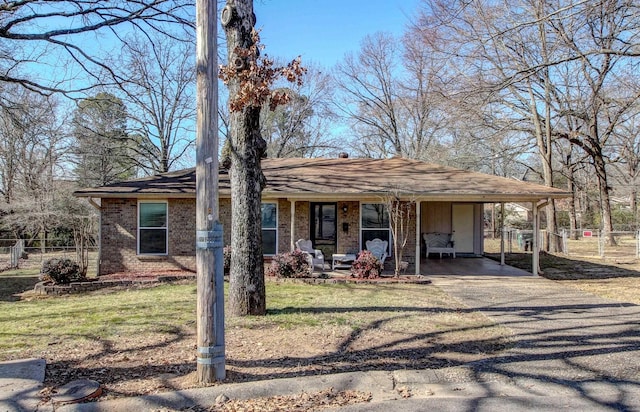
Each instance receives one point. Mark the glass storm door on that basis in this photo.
(323, 227)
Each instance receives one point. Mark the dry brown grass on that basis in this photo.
(617, 276)
(619, 289)
(143, 340)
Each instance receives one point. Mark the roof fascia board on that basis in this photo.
(136, 195)
(334, 197)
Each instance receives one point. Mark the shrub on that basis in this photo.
(226, 257)
(366, 266)
(61, 271)
(290, 265)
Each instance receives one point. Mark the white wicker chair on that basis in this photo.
(315, 255)
(378, 248)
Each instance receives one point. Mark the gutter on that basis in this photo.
(94, 203)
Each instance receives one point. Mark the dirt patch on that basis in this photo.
(148, 364)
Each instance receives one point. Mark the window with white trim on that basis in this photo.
(269, 228)
(374, 223)
(153, 231)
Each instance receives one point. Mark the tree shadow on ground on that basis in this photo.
(561, 268)
(580, 349)
(588, 351)
(12, 286)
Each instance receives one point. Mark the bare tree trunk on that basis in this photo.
(605, 199)
(246, 148)
(633, 204)
(573, 217)
(246, 287)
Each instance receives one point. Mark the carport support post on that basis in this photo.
(418, 240)
(502, 229)
(209, 239)
(293, 225)
(534, 247)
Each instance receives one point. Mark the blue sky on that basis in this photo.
(322, 31)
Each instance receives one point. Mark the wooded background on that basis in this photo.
(545, 91)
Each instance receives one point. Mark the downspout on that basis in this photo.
(99, 208)
(94, 204)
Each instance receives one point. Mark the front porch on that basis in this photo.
(465, 266)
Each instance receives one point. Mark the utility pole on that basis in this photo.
(209, 239)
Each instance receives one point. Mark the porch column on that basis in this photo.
(502, 233)
(293, 225)
(417, 237)
(534, 248)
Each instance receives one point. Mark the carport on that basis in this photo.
(470, 266)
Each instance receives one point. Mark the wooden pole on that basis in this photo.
(209, 240)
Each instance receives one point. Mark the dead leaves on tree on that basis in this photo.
(255, 76)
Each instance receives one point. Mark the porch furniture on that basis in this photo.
(315, 256)
(439, 243)
(342, 261)
(378, 248)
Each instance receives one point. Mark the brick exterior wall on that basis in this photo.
(284, 226)
(119, 231)
(409, 253)
(225, 219)
(119, 234)
(349, 241)
(301, 230)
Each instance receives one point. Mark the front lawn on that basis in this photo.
(143, 340)
(14, 282)
(617, 281)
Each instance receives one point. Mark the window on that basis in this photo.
(269, 228)
(374, 224)
(152, 228)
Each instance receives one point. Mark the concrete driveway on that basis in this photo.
(568, 342)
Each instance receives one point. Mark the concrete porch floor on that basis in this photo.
(469, 266)
(460, 266)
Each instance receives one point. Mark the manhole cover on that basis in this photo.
(77, 391)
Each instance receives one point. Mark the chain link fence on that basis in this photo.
(618, 245)
(20, 256)
(578, 244)
(515, 240)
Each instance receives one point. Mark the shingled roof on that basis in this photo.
(344, 178)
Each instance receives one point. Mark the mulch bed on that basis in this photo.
(334, 277)
(158, 275)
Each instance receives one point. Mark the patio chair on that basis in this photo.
(439, 243)
(315, 256)
(378, 248)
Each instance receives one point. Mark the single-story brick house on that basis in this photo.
(148, 224)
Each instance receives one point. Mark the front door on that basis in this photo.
(323, 227)
(462, 222)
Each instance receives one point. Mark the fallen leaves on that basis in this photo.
(302, 402)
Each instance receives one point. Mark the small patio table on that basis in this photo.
(342, 261)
